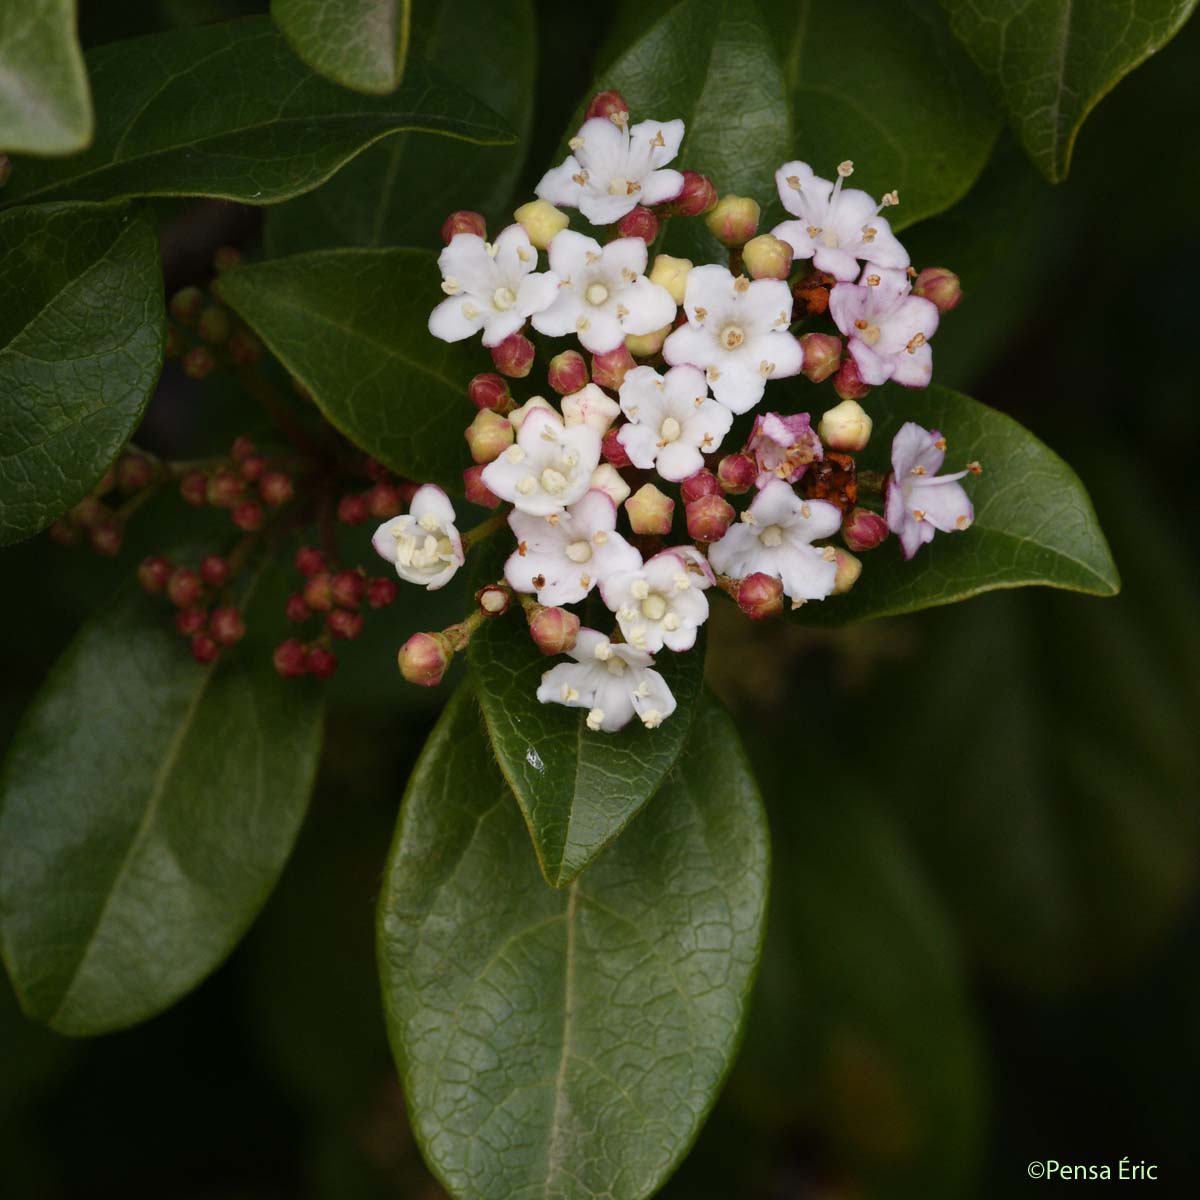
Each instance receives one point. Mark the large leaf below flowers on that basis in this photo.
(568, 1043)
(1034, 523)
(147, 805)
(1053, 61)
(230, 111)
(81, 343)
(350, 325)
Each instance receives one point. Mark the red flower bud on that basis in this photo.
(309, 560)
(189, 621)
(698, 197)
(708, 518)
(568, 373)
(291, 659)
(384, 500)
(204, 649)
(939, 285)
(224, 488)
(198, 363)
(514, 356)
(863, 529)
(90, 512)
(424, 658)
(318, 592)
(553, 630)
(476, 491)
(353, 510)
(106, 539)
(343, 623)
(248, 515)
(134, 472)
(193, 487)
(381, 592)
(215, 325)
(214, 570)
(276, 488)
(242, 448)
(608, 104)
(737, 473)
(186, 304)
(321, 662)
(184, 587)
(252, 468)
(295, 609)
(612, 450)
(463, 222)
(348, 588)
(608, 370)
(760, 596)
(822, 355)
(847, 383)
(226, 626)
(153, 574)
(64, 533)
(490, 391)
(703, 483)
(639, 223)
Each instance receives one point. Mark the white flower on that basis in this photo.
(888, 327)
(590, 406)
(775, 537)
(661, 604)
(673, 422)
(737, 333)
(423, 544)
(603, 292)
(549, 467)
(837, 227)
(489, 286)
(563, 556)
(919, 500)
(611, 681)
(611, 169)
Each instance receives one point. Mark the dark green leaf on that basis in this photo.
(1053, 61)
(81, 344)
(45, 107)
(360, 44)
(147, 806)
(229, 111)
(568, 1044)
(351, 326)
(400, 191)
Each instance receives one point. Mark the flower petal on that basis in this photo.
(449, 321)
(649, 305)
(692, 345)
(560, 186)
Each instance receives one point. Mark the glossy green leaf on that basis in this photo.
(351, 326)
(568, 1043)
(229, 111)
(1034, 523)
(45, 107)
(81, 345)
(147, 805)
(360, 44)
(1053, 61)
(400, 191)
(884, 84)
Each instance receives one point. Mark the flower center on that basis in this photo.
(830, 239)
(670, 430)
(420, 548)
(620, 186)
(503, 298)
(867, 332)
(732, 337)
(579, 552)
(553, 481)
(772, 536)
(654, 607)
(597, 294)
(615, 665)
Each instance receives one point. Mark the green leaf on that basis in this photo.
(1034, 523)
(351, 326)
(887, 87)
(82, 330)
(147, 806)
(229, 111)
(360, 44)
(400, 191)
(571, 1043)
(45, 107)
(1053, 61)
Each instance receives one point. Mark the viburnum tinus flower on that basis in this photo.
(490, 286)
(783, 446)
(423, 545)
(737, 333)
(603, 293)
(775, 538)
(919, 500)
(612, 681)
(837, 227)
(550, 466)
(661, 604)
(563, 556)
(612, 169)
(888, 328)
(673, 420)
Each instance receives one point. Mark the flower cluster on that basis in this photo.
(678, 352)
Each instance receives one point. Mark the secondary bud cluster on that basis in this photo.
(203, 334)
(204, 614)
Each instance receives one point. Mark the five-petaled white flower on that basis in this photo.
(549, 467)
(611, 681)
(775, 537)
(423, 544)
(673, 421)
(611, 169)
(888, 327)
(919, 500)
(563, 556)
(661, 604)
(490, 286)
(603, 292)
(837, 227)
(737, 333)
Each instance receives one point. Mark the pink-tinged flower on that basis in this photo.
(612, 681)
(563, 556)
(673, 422)
(603, 293)
(837, 227)
(919, 500)
(888, 328)
(775, 538)
(490, 286)
(783, 446)
(423, 545)
(737, 333)
(612, 169)
(663, 603)
(550, 466)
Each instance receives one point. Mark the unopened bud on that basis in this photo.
(184, 587)
(609, 370)
(381, 592)
(243, 347)
(810, 294)
(849, 569)
(847, 382)
(352, 509)
(348, 588)
(384, 500)
(846, 427)
(612, 449)
(568, 373)
(514, 356)
(590, 407)
(490, 391)
(193, 487)
(672, 274)
(541, 221)
(321, 662)
(476, 491)
(242, 448)
(608, 104)
(224, 489)
(822, 355)
(226, 626)
(90, 511)
(215, 325)
(186, 305)
(607, 479)
(709, 518)
(295, 609)
(309, 561)
(291, 659)
(734, 221)
(697, 196)
(134, 472)
(248, 516)
(649, 510)
(463, 222)
(639, 222)
(189, 621)
(939, 285)
(553, 630)
(737, 473)
(106, 538)
(276, 488)
(518, 415)
(198, 363)
(425, 658)
(863, 529)
(226, 258)
(647, 345)
(214, 570)
(344, 624)
(204, 649)
(253, 468)
(703, 483)
(488, 436)
(64, 533)
(760, 596)
(318, 592)
(153, 574)
(493, 599)
(767, 257)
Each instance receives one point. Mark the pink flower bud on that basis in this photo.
(321, 662)
(493, 599)
(612, 450)
(226, 626)
(204, 649)
(381, 592)
(639, 223)
(734, 221)
(275, 488)
(941, 286)
(703, 483)
(709, 518)
(488, 436)
(352, 510)
(224, 489)
(134, 472)
(291, 659)
(697, 197)
(343, 623)
(215, 326)
(183, 587)
(847, 383)
(318, 592)
(608, 104)
(384, 500)
(553, 629)
(490, 391)
(767, 257)
(760, 596)
(309, 561)
(248, 515)
(845, 427)
(193, 487)
(189, 621)
(198, 363)
(849, 569)
(295, 609)
(186, 305)
(737, 473)
(514, 356)
(649, 510)
(153, 574)
(106, 539)
(476, 491)
(463, 222)
(424, 658)
(568, 373)
(608, 370)
(214, 570)
(822, 355)
(863, 529)
(348, 588)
